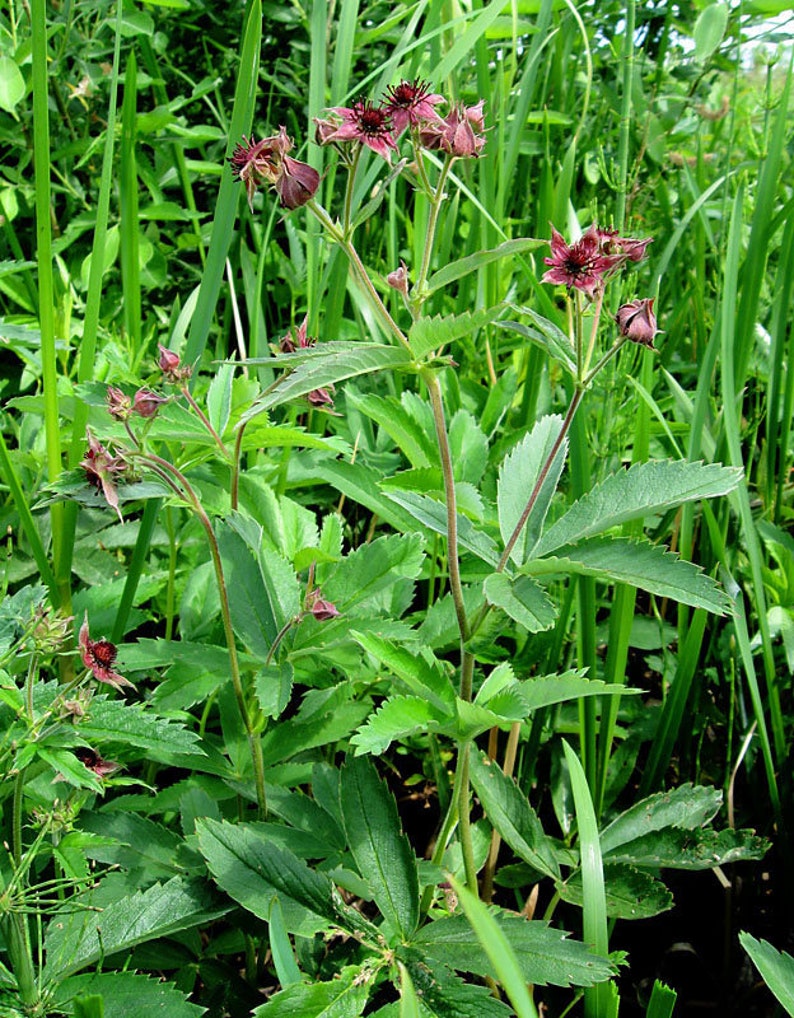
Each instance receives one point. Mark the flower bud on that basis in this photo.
(398, 279)
(118, 403)
(637, 321)
(147, 403)
(296, 183)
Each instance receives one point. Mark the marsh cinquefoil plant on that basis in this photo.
(322, 648)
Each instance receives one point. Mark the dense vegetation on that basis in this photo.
(396, 457)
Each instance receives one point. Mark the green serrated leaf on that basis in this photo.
(127, 995)
(445, 995)
(396, 718)
(420, 675)
(77, 939)
(545, 955)
(776, 968)
(323, 366)
(138, 725)
(688, 807)
(642, 490)
(428, 334)
(395, 419)
(251, 869)
(344, 996)
(690, 850)
(546, 335)
(433, 515)
(518, 475)
(525, 603)
(630, 893)
(373, 567)
(641, 564)
(382, 852)
(509, 812)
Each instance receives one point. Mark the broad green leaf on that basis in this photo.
(273, 687)
(445, 995)
(77, 939)
(471, 263)
(545, 955)
(127, 995)
(641, 564)
(630, 893)
(361, 484)
(499, 950)
(525, 602)
(65, 764)
(433, 515)
(283, 955)
(219, 398)
(139, 845)
(382, 852)
(642, 490)
(519, 474)
(345, 996)
(136, 724)
(251, 870)
(413, 669)
(688, 807)
(89, 1007)
(299, 733)
(409, 1001)
(690, 850)
(776, 968)
(397, 718)
(509, 812)
(12, 84)
(402, 426)
(709, 30)
(372, 568)
(428, 334)
(322, 366)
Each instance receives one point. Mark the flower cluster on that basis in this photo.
(590, 261)
(407, 105)
(266, 162)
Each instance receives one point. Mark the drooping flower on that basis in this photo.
(582, 265)
(99, 656)
(320, 398)
(101, 468)
(398, 279)
(146, 403)
(637, 321)
(170, 365)
(321, 609)
(364, 122)
(409, 103)
(459, 134)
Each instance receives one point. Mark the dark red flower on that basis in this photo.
(289, 344)
(146, 403)
(364, 122)
(582, 265)
(398, 279)
(631, 248)
(320, 398)
(409, 103)
(259, 162)
(101, 469)
(99, 656)
(296, 183)
(94, 762)
(637, 321)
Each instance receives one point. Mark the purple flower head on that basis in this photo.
(99, 656)
(170, 365)
(93, 761)
(582, 265)
(637, 321)
(365, 122)
(459, 133)
(409, 103)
